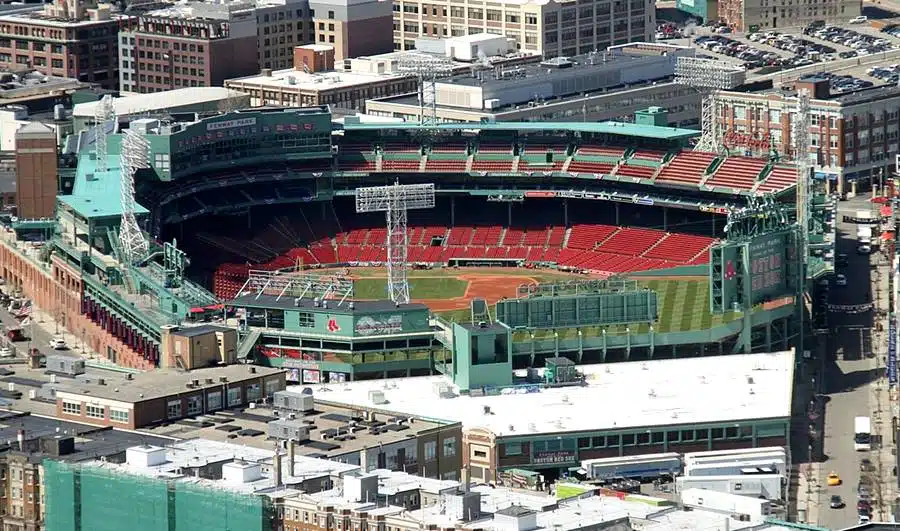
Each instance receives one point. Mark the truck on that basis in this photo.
(862, 434)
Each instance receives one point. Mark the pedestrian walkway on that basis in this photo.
(881, 404)
(808, 493)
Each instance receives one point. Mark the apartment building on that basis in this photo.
(754, 15)
(854, 137)
(353, 27)
(548, 28)
(68, 38)
(190, 45)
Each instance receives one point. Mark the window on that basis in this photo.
(194, 404)
(71, 408)
(253, 392)
(450, 447)
(513, 448)
(214, 400)
(331, 15)
(306, 320)
(234, 396)
(173, 409)
(430, 450)
(118, 415)
(95, 412)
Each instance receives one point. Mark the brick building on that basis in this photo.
(166, 395)
(854, 136)
(191, 45)
(36, 171)
(69, 38)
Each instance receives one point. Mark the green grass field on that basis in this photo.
(419, 288)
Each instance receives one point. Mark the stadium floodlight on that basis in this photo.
(395, 200)
(135, 154)
(104, 124)
(801, 144)
(427, 69)
(708, 76)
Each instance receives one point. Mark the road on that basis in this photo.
(850, 376)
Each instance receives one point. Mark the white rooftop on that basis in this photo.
(646, 393)
(297, 80)
(140, 103)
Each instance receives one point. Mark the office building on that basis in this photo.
(69, 38)
(595, 87)
(548, 28)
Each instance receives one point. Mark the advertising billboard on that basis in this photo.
(768, 266)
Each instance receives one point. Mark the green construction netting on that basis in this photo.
(92, 498)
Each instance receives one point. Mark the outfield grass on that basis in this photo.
(419, 288)
(683, 306)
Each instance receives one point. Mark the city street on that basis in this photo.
(854, 384)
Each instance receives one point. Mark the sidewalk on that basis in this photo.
(880, 401)
(808, 492)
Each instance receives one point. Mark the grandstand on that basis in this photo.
(270, 190)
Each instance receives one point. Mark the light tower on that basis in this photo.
(708, 76)
(395, 200)
(427, 70)
(134, 156)
(801, 143)
(103, 115)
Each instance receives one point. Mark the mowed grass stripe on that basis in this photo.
(419, 288)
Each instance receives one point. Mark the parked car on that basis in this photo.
(840, 280)
(862, 19)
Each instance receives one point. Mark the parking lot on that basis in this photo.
(842, 53)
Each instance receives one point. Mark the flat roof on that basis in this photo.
(317, 81)
(39, 17)
(96, 195)
(273, 301)
(164, 382)
(608, 127)
(646, 393)
(142, 103)
(91, 442)
(325, 417)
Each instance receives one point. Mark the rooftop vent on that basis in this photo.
(558, 62)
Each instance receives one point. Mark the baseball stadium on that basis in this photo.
(476, 250)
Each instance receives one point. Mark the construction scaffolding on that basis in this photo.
(299, 286)
(100, 497)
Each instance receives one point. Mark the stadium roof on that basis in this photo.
(646, 393)
(95, 195)
(608, 127)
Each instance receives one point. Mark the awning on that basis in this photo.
(880, 200)
(887, 236)
(887, 211)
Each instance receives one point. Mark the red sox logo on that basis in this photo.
(333, 326)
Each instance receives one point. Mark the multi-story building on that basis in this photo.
(753, 15)
(354, 27)
(603, 86)
(306, 85)
(69, 38)
(548, 28)
(854, 137)
(191, 45)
